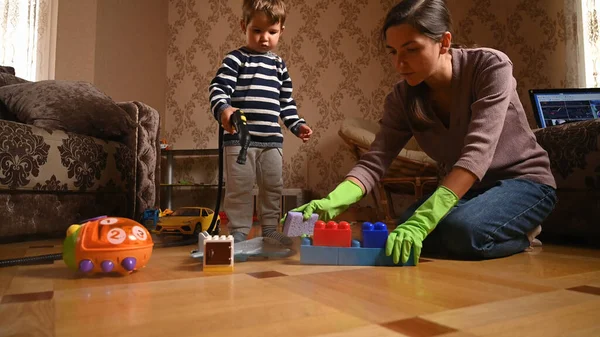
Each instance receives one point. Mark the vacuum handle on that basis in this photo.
(238, 122)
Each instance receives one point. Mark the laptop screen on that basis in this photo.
(559, 106)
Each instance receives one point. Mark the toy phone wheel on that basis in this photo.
(197, 230)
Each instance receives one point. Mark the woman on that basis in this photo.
(462, 107)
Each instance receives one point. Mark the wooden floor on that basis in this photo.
(551, 291)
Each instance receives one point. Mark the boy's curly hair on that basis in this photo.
(274, 9)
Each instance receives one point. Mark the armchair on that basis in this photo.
(51, 178)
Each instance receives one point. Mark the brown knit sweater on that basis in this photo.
(488, 133)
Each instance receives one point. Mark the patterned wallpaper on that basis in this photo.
(339, 69)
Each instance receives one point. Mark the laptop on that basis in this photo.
(558, 106)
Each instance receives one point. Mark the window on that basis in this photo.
(28, 37)
(591, 41)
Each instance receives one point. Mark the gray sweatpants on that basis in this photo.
(263, 166)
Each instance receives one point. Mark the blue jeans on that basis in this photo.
(490, 223)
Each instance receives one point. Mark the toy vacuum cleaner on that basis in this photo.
(107, 244)
(238, 121)
(256, 247)
(100, 245)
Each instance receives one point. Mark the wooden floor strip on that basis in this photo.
(27, 297)
(418, 327)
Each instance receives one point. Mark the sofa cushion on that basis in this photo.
(35, 160)
(7, 78)
(70, 106)
(7, 70)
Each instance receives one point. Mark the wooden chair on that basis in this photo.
(412, 172)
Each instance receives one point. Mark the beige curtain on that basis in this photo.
(574, 44)
(591, 34)
(28, 37)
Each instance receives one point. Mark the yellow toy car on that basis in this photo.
(188, 221)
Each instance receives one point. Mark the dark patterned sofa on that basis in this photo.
(574, 151)
(52, 178)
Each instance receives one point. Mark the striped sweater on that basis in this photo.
(259, 85)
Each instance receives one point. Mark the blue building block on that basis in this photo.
(359, 256)
(344, 256)
(310, 254)
(374, 235)
(319, 255)
(150, 219)
(368, 257)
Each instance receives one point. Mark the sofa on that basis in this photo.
(574, 151)
(68, 153)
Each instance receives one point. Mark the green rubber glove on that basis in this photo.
(336, 202)
(412, 233)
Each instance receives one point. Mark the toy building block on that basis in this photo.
(361, 256)
(310, 254)
(332, 234)
(374, 236)
(352, 254)
(296, 226)
(203, 236)
(218, 253)
(348, 256)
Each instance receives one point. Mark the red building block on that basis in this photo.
(332, 234)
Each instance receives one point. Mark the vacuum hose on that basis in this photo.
(238, 121)
(30, 260)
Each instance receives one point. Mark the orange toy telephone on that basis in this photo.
(107, 244)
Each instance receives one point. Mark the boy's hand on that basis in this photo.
(225, 119)
(304, 132)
